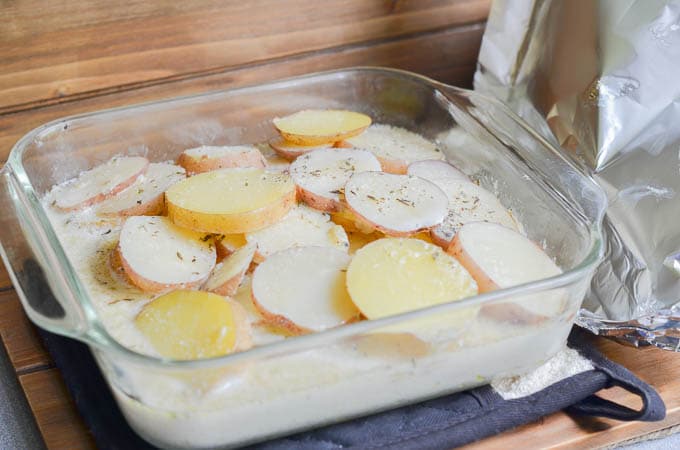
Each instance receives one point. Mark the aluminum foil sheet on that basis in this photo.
(601, 78)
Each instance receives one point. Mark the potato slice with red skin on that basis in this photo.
(231, 201)
(321, 175)
(291, 151)
(228, 274)
(302, 289)
(302, 227)
(317, 127)
(498, 257)
(186, 325)
(468, 203)
(208, 158)
(396, 275)
(99, 183)
(159, 256)
(397, 205)
(436, 171)
(146, 196)
(395, 147)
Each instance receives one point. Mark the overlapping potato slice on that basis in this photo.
(499, 257)
(291, 151)
(468, 203)
(158, 255)
(207, 158)
(226, 244)
(99, 183)
(396, 275)
(227, 275)
(316, 127)
(395, 147)
(322, 174)
(302, 226)
(347, 219)
(437, 171)
(146, 195)
(230, 201)
(397, 205)
(193, 325)
(275, 162)
(302, 289)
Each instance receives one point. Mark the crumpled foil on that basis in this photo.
(601, 78)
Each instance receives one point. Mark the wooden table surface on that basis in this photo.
(60, 58)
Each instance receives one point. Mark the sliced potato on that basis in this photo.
(395, 147)
(395, 275)
(227, 275)
(358, 239)
(437, 171)
(499, 257)
(99, 183)
(158, 255)
(303, 289)
(351, 223)
(275, 162)
(290, 151)
(227, 244)
(321, 175)
(397, 205)
(207, 158)
(230, 201)
(391, 346)
(302, 226)
(316, 127)
(193, 325)
(468, 203)
(145, 197)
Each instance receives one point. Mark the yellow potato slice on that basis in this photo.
(290, 151)
(316, 127)
(230, 201)
(193, 325)
(395, 275)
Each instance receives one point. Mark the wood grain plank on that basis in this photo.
(560, 431)
(56, 415)
(52, 50)
(5, 282)
(448, 55)
(21, 340)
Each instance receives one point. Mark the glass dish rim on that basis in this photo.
(96, 335)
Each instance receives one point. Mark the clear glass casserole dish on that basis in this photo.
(355, 369)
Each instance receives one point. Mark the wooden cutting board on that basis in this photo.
(60, 59)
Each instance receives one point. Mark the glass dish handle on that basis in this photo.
(35, 269)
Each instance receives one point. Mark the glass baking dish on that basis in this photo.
(352, 370)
